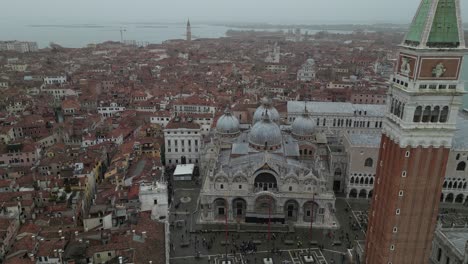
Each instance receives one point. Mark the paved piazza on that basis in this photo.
(192, 243)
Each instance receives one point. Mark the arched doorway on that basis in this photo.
(337, 180)
(240, 207)
(265, 204)
(353, 193)
(459, 198)
(265, 182)
(363, 193)
(311, 209)
(265, 211)
(449, 198)
(291, 210)
(220, 210)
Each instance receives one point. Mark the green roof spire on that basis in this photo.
(437, 24)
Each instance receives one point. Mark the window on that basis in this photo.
(407, 154)
(397, 212)
(290, 188)
(155, 201)
(444, 114)
(426, 114)
(439, 254)
(458, 156)
(109, 254)
(400, 193)
(453, 86)
(403, 174)
(422, 86)
(417, 114)
(461, 166)
(395, 229)
(240, 186)
(369, 162)
(435, 114)
(221, 186)
(392, 247)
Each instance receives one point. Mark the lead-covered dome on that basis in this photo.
(265, 134)
(303, 127)
(266, 108)
(228, 125)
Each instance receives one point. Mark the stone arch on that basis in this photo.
(238, 179)
(352, 180)
(371, 181)
(460, 185)
(450, 185)
(239, 206)
(363, 193)
(426, 114)
(291, 210)
(417, 114)
(461, 166)
(459, 198)
(445, 184)
(220, 208)
(435, 114)
(265, 204)
(310, 210)
(291, 180)
(449, 198)
(444, 114)
(361, 180)
(366, 181)
(221, 179)
(353, 193)
(265, 181)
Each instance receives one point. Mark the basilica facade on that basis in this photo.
(267, 173)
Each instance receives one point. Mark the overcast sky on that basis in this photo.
(269, 11)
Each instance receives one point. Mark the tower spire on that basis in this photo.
(188, 31)
(437, 24)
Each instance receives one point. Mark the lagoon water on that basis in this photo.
(79, 35)
(76, 35)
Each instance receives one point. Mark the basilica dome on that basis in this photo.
(265, 134)
(266, 108)
(227, 125)
(303, 127)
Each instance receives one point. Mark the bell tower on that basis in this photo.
(422, 107)
(189, 31)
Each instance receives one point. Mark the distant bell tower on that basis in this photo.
(422, 107)
(189, 31)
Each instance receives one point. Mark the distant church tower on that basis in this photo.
(189, 31)
(422, 107)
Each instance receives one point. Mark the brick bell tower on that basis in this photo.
(188, 31)
(423, 102)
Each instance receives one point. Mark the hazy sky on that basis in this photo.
(270, 11)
